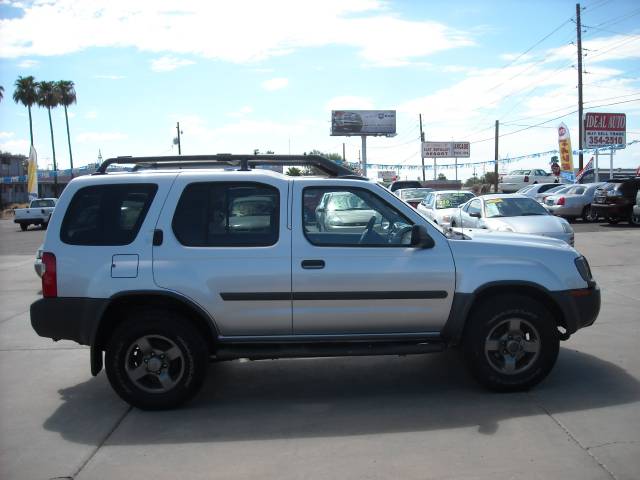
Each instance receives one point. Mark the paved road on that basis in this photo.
(416, 417)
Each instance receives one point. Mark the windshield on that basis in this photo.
(453, 199)
(414, 193)
(346, 202)
(42, 203)
(512, 207)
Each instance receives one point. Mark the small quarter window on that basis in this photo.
(107, 214)
(227, 214)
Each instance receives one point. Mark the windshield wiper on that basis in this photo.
(529, 214)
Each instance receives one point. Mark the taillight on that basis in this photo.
(561, 201)
(526, 178)
(49, 277)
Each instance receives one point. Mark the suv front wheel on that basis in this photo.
(156, 360)
(511, 343)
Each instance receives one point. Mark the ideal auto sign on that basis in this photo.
(605, 130)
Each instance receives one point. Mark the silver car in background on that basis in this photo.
(344, 212)
(574, 202)
(512, 213)
(532, 191)
(441, 206)
(413, 196)
(541, 197)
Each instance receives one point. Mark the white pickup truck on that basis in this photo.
(38, 213)
(521, 178)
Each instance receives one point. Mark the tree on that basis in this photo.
(490, 178)
(26, 94)
(48, 97)
(472, 181)
(336, 157)
(294, 172)
(441, 176)
(67, 94)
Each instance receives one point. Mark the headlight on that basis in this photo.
(583, 268)
(614, 193)
(505, 228)
(566, 227)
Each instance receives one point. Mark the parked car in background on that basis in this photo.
(512, 213)
(615, 200)
(539, 188)
(636, 210)
(574, 202)
(413, 196)
(442, 206)
(541, 197)
(344, 212)
(521, 178)
(398, 184)
(37, 213)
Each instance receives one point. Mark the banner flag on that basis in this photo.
(32, 174)
(566, 154)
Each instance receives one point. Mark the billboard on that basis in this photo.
(446, 149)
(363, 122)
(605, 129)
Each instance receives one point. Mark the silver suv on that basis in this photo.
(178, 262)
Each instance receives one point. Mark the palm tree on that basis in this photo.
(1, 92)
(25, 93)
(49, 97)
(67, 98)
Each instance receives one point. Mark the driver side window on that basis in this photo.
(352, 217)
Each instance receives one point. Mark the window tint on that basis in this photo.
(352, 217)
(42, 203)
(227, 214)
(544, 188)
(107, 214)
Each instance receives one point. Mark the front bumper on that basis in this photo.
(580, 308)
(68, 318)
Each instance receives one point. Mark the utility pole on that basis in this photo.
(580, 122)
(179, 146)
(495, 166)
(364, 155)
(344, 157)
(421, 151)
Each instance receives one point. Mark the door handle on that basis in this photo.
(312, 264)
(157, 237)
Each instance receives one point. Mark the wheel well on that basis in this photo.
(536, 294)
(116, 312)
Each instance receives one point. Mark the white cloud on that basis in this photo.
(110, 77)
(92, 137)
(349, 103)
(275, 83)
(207, 30)
(601, 49)
(242, 112)
(28, 63)
(91, 115)
(17, 146)
(169, 63)
(6, 135)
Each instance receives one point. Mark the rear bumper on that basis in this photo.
(580, 308)
(563, 211)
(68, 318)
(605, 210)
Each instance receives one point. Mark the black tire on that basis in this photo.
(44, 225)
(613, 220)
(634, 220)
(538, 330)
(164, 331)
(588, 216)
(23, 227)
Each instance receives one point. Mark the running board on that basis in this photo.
(270, 351)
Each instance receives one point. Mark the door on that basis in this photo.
(356, 273)
(226, 246)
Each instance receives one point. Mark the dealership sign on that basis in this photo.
(446, 149)
(363, 122)
(605, 129)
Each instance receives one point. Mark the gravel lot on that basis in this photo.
(412, 417)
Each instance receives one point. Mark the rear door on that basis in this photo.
(360, 276)
(227, 247)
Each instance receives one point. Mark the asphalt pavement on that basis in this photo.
(414, 417)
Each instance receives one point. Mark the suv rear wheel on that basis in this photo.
(511, 343)
(156, 360)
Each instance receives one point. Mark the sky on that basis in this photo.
(247, 75)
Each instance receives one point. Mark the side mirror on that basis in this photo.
(475, 214)
(420, 238)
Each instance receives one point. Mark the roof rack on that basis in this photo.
(244, 162)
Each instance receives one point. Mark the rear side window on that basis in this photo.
(107, 214)
(224, 214)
